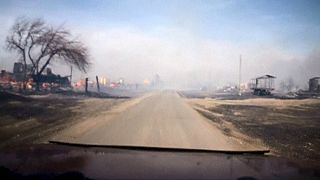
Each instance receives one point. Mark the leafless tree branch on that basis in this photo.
(37, 42)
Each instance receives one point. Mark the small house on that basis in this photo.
(262, 85)
(314, 84)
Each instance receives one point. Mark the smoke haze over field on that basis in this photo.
(188, 43)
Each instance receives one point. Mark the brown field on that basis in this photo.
(35, 119)
(290, 128)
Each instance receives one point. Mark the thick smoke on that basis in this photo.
(182, 58)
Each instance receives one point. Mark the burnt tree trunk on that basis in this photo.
(25, 78)
(37, 82)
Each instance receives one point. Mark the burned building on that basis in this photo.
(53, 79)
(19, 71)
(5, 79)
(314, 84)
(262, 85)
(5, 76)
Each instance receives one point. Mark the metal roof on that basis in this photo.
(267, 76)
(315, 78)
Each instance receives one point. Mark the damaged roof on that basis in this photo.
(267, 76)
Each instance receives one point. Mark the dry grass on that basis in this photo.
(25, 120)
(291, 128)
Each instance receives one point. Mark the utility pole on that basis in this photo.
(71, 76)
(98, 85)
(240, 75)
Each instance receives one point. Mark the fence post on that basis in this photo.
(86, 85)
(98, 85)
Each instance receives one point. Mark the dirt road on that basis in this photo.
(161, 119)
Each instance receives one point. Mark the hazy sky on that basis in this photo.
(188, 43)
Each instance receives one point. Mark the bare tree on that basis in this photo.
(20, 36)
(40, 44)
